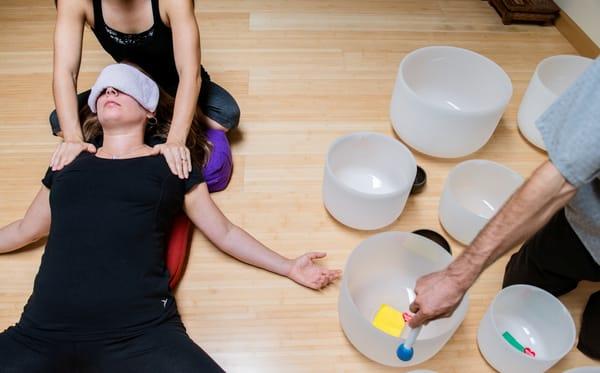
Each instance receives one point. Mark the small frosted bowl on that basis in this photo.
(536, 319)
(472, 194)
(551, 78)
(368, 177)
(383, 269)
(448, 101)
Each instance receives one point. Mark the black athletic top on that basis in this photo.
(152, 49)
(103, 272)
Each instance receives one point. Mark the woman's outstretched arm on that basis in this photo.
(236, 242)
(32, 227)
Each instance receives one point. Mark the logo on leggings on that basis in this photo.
(164, 301)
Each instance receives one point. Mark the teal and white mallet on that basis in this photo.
(405, 351)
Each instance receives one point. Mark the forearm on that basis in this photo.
(228, 237)
(35, 224)
(242, 246)
(65, 98)
(534, 203)
(15, 236)
(186, 102)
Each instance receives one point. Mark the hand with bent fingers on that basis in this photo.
(437, 295)
(67, 151)
(307, 273)
(178, 157)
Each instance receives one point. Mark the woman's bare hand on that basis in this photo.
(307, 273)
(67, 151)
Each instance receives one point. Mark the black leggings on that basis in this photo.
(555, 260)
(162, 349)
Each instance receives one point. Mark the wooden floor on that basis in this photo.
(304, 72)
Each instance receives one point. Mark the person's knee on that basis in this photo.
(527, 267)
(511, 271)
(589, 334)
(227, 119)
(221, 107)
(233, 115)
(521, 265)
(229, 110)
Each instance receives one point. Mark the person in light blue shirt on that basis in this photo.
(557, 210)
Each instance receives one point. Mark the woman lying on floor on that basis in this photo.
(101, 300)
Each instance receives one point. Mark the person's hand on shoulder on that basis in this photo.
(178, 158)
(67, 151)
(308, 273)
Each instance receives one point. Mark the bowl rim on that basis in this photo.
(552, 59)
(353, 135)
(545, 293)
(452, 174)
(483, 110)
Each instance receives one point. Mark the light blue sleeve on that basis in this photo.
(571, 129)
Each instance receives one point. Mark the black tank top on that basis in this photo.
(152, 49)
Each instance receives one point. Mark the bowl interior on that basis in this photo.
(535, 319)
(456, 79)
(559, 72)
(482, 187)
(384, 270)
(372, 164)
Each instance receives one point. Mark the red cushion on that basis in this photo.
(177, 248)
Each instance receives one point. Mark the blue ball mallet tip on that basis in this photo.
(404, 353)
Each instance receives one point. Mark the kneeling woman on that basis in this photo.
(101, 300)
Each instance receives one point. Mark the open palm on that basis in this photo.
(306, 272)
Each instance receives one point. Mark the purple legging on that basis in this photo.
(219, 167)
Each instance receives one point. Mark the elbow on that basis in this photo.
(226, 239)
(196, 77)
(62, 75)
(550, 175)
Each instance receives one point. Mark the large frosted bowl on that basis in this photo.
(551, 78)
(472, 194)
(367, 179)
(448, 101)
(383, 269)
(535, 319)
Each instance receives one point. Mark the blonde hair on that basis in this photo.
(196, 140)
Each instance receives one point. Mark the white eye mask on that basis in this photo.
(128, 80)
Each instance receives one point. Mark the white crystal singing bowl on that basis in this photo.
(535, 319)
(447, 101)
(472, 194)
(551, 78)
(383, 269)
(367, 179)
